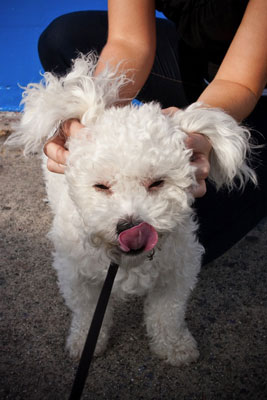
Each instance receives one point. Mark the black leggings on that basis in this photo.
(176, 79)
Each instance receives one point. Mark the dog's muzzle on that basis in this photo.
(136, 238)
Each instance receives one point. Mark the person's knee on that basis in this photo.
(51, 45)
(69, 35)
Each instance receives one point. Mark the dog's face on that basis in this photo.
(129, 175)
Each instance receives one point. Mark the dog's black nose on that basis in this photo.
(125, 224)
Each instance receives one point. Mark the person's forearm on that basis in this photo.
(131, 42)
(135, 62)
(242, 75)
(235, 99)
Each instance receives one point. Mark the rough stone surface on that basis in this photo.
(7, 122)
(226, 314)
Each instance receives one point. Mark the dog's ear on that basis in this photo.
(230, 143)
(78, 94)
(41, 115)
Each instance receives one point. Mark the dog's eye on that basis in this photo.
(100, 186)
(156, 184)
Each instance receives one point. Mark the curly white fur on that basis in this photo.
(126, 149)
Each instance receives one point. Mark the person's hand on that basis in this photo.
(201, 147)
(55, 149)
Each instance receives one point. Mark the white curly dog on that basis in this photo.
(126, 197)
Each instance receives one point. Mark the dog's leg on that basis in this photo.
(81, 297)
(169, 336)
(83, 311)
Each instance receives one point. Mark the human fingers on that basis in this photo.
(70, 127)
(201, 147)
(170, 110)
(202, 165)
(199, 143)
(56, 154)
(201, 173)
(53, 166)
(55, 149)
(200, 189)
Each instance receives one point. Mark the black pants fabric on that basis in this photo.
(176, 79)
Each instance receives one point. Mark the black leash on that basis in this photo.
(93, 333)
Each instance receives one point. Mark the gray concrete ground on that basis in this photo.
(226, 314)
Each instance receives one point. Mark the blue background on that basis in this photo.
(21, 23)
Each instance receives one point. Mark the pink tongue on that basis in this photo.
(142, 236)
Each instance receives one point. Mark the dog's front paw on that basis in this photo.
(180, 350)
(76, 341)
(75, 344)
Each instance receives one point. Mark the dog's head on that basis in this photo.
(129, 175)
(129, 171)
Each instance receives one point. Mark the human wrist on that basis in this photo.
(235, 99)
